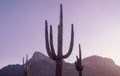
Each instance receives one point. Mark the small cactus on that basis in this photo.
(26, 65)
(78, 63)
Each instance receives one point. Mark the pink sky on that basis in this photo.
(96, 25)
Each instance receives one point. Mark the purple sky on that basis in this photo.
(96, 25)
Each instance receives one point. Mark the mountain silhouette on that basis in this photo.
(41, 65)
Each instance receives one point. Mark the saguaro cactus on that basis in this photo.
(50, 47)
(26, 65)
(78, 63)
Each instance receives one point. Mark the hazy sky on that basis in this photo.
(22, 28)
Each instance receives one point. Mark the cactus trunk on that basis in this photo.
(80, 73)
(59, 68)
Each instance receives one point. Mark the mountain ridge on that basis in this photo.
(42, 65)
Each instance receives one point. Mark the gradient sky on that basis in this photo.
(22, 28)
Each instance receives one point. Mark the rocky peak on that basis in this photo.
(37, 56)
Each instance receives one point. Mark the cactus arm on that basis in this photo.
(80, 52)
(26, 57)
(51, 43)
(77, 63)
(80, 57)
(77, 58)
(23, 61)
(71, 43)
(77, 66)
(47, 41)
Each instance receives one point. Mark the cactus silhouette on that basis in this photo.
(50, 47)
(78, 63)
(26, 65)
